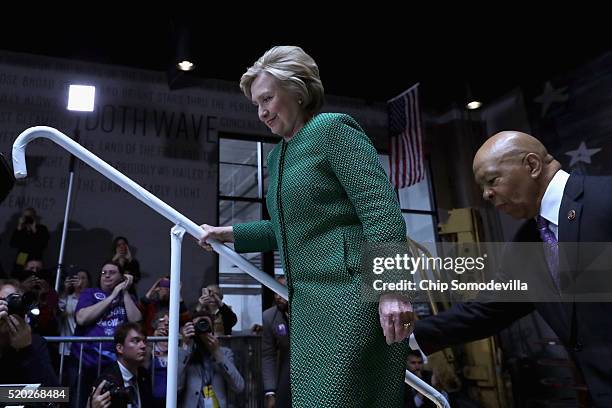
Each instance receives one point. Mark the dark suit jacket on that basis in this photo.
(584, 328)
(30, 365)
(275, 356)
(113, 372)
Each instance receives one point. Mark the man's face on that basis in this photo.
(110, 277)
(134, 348)
(415, 365)
(507, 184)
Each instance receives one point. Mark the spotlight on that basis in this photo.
(185, 65)
(473, 105)
(81, 98)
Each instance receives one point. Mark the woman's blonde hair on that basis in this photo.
(296, 71)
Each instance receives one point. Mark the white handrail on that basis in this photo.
(427, 390)
(19, 167)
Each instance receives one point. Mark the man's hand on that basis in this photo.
(396, 317)
(270, 401)
(100, 400)
(20, 333)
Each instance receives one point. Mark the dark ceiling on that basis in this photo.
(370, 63)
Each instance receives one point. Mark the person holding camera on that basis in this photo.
(123, 256)
(36, 280)
(24, 356)
(125, 383)
(77, 279)
(206, 370)
(98, 313)
(212, 301)
(30, 238)
(157, 300)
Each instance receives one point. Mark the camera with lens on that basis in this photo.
(119, 395)
(21, 305)
(28, 219)
(203, 326)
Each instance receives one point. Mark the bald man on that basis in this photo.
(520, 178)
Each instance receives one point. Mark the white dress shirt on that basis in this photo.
(551, 201)
(129, 379)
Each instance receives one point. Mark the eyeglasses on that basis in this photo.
(109, 272)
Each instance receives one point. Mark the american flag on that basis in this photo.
(405, 139)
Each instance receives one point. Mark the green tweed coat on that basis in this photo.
(327, 195)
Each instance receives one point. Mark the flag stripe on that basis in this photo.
(405, 141)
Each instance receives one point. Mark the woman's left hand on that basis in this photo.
(396, 317)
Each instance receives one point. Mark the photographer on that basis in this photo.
(125, 383)
(30, 238)
(77, 279)
(36, 280)
(123, 256)
(206, 370)
(157, 300)
(24, 357)
(98, 313)
(212, 301)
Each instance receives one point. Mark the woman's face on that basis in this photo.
(277, 108)
(121, 247)
(83, 280)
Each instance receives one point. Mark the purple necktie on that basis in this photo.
(551, 249)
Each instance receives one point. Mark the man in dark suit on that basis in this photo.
(522, 179)
(275, 353)
(127, 375)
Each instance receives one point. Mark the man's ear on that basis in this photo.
(119, 348)
(534, 165)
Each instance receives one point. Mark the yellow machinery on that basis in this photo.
(482, 358)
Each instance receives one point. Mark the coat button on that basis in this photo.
(571, 215)
(578, 347)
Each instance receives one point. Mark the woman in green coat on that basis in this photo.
(328, 195)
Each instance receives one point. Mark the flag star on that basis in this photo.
(582, 154)
(550, 96)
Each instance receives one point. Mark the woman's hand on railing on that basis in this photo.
(223, 234)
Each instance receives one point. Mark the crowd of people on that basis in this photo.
(105, 303)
